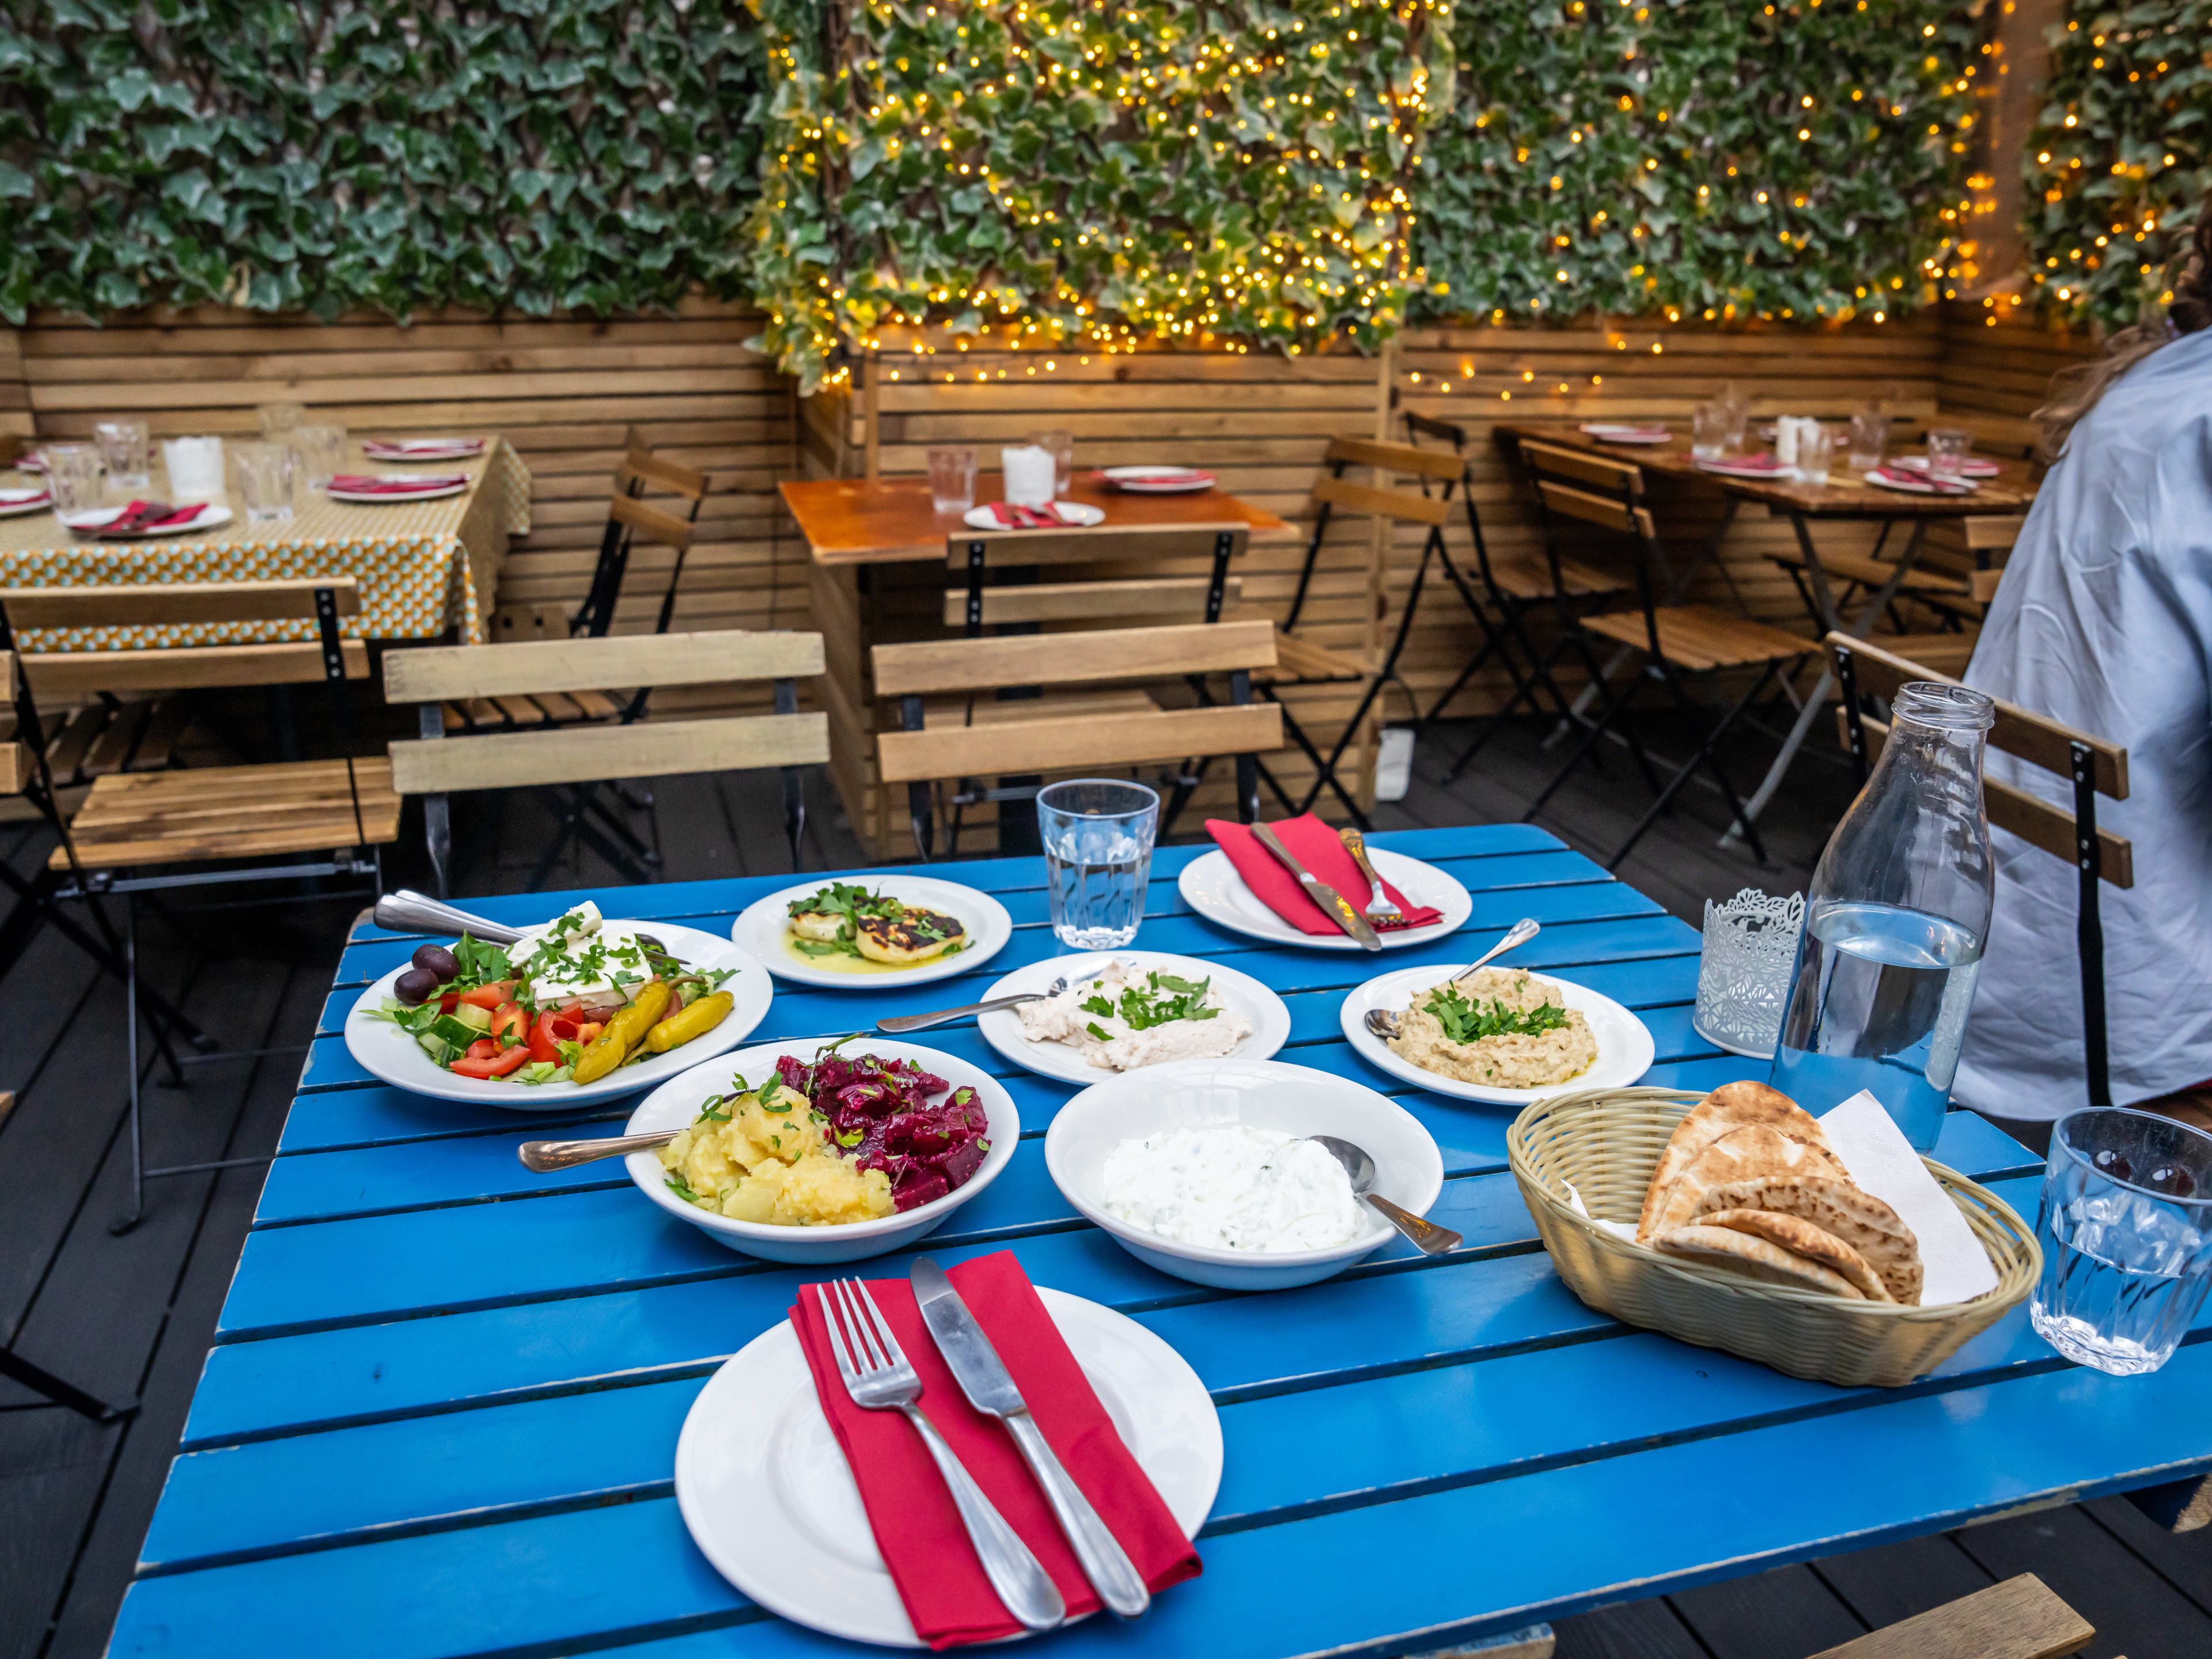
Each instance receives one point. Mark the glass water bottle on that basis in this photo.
(1895, 923)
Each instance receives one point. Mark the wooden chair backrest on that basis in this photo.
(2015, 732)
(507, 760)
(84, 673)
(1405, 459)
(1622, 479)
(1157, 596)
(18, 765)
(1117, 653)
(640, 462)
(2019, 1619)
(1099, 545)
(1349, 497)
(1984, 537)
(653, 524)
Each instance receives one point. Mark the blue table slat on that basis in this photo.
(416, 1319)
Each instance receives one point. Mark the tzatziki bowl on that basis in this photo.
(1174, 1142)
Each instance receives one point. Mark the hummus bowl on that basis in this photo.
(1624, 1048)
(1264, 1094)
(1241, 994)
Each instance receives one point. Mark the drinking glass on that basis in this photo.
(1061, 445)
(1098, 834)
(129, 456)
(2126, 1228)
(953, 479)
(1869, 439)
(322, 451)
(1816, 451)
(280, 421)
(1710, 429)
(265, 479)
(1947, 448)
(73, 478)
(195, 469)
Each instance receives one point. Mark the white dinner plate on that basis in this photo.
(391, 1053)
(764, 929)
(1159, 480)
(387, 498)
(1624, 1048)
(1607, 434)
(1211, 886)
(94, 522)
(1972, 467)
(14, 503)
(1922, 486)
(1073, 515)
(765, 1490)
(1268, 1015)
(423, 449)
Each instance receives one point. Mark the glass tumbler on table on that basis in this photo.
(128, 454)
(322, 451)
(73, 478)
(951, 479)
(1895, 923)
(1869, 440)
(1816, 451)
(1061, 445)
(1947, 449)
(1711, 428)
(265, 479)
(1097, 835)
(280, 421)
(2125, 1226)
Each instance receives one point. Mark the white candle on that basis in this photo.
(195, 469)
(1785, 440)
(1029, 473)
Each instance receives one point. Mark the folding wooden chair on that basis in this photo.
(629, 518)
(315, 818)
(1083, 732)
(2093, 768)
(440, 763)
(2018, 1619)
(1676, 641)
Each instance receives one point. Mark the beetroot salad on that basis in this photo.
(882, 1116)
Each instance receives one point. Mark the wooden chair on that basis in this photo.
(440, 763)
(1676, 641)
(2018, 1619)
(2091, 765)
(1090, 732)
(1126, 586)
(290, 820)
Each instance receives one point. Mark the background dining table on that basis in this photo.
(427, 568)
(442, 1411)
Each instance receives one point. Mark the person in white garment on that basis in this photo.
(2103, 622)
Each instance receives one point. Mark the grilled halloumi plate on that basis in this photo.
(914, 935)
(865, 931)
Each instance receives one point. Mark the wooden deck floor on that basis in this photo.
(132, 1315)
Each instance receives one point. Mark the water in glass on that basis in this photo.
(1097, 835)
(264, 479)
(73, 478)
(1869, 439)
(322, 451)
(1711, 430)
(1061, 445)
(128, 455)
(1816, 449)
(951, 479)
(2126, 1228)
(1947, 449)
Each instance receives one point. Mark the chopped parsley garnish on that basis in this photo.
(1162, 1000)
(682, 1188)
(849, 903)
(1470, 1021)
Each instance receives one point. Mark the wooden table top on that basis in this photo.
(887, 520)
(441, 1416)
(1843, 497)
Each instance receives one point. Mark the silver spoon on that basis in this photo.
(903, 1022)
(1384, 1023)
(544, 1156)
(1427, 1237)
(406, 912)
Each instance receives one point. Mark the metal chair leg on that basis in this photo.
(1615, 702)
(130, 1059)
(1708, 757)
(794, 811)
(39, 1379)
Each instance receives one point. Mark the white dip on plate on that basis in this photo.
(1232, 1187)
(1125, 1018)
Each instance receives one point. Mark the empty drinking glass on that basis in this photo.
(1098, 834)
(265, 479)
(280, 421)
(1947, 448)
(953, 479)
(322, 451)
(1816, 451)
(1061, 445)
(2126, 1229)
(1711, 429)
(128, 455)
(73, 478)
(1869, 439)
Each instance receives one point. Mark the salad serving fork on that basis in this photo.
(878, 1377)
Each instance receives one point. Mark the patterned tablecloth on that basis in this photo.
(424, 567)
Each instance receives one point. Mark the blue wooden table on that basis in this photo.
(442, 1410)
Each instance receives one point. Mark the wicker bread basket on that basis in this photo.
(1608, 1142)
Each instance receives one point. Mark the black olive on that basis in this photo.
(436, 959)
(416, 986)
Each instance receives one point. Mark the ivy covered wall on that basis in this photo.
(318, 154)
(2121, 157)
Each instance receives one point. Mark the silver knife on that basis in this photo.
(1320, 891)
(990, 1389)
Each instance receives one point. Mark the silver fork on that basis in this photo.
(1379, 908)
(878, 1377)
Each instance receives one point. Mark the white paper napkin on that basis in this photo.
(1874, 1152)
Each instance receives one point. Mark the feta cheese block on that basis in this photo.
(581, 956)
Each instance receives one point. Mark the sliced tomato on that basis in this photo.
(554, 1026)
(509, 1017)
(490, 996)
(448, 1002)
(590, 1029)
(496, 1063)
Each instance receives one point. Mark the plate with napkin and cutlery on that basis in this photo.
(1300, 882)
(142, 518)
(396, 487)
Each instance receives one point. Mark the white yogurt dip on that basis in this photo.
(1092, 1017)
(1232, 1187)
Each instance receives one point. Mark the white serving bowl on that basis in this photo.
(675, 1103)
(1266, 1094)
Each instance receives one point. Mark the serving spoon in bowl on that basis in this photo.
(1384, 1023)
(1426, 1237)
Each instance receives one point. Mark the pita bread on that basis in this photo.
(1858, 1218)
(1732, 1106)
(1757, 1154)
(1754, 1258)
(1800, 1237)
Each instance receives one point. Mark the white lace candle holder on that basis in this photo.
(1743, 973)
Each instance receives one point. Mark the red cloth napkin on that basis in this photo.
(150, 515)
(1315, 845)
(355, 484)
(1029, 518)
(1921, 480)
(910, 1510)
